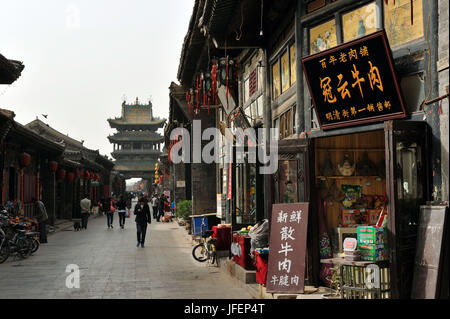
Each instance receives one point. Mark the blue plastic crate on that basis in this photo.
(197, 231)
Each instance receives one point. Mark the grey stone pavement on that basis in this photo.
(111, 266)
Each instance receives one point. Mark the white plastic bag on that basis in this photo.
(259, 236)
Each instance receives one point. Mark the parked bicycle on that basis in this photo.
(206, 249)
(16, 237)
(4, 247)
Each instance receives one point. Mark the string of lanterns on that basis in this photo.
(205, 87)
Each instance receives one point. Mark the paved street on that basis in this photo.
(111, 266)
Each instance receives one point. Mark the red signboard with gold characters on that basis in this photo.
(354, 83)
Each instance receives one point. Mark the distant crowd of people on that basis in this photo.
(108, 206)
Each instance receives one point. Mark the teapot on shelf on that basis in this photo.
(346, 169)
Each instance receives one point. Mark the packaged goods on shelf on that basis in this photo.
(371, 235)
(372, 252)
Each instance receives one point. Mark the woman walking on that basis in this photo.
(110, 209)
(122, 210)
(142, 212)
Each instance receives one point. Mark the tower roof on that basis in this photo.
(137, 116)
(136, 136)
(120, 123)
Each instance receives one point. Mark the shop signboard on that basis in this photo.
(239, 119)
(181, 184)
(354, 83)
(286, 270)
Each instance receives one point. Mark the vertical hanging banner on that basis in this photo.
(219, 206)
(288, 229)
(354, 83)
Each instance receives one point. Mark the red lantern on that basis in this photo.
(24, 159)
(70, 177)
(62, 174)
(53, 166)
(98, 177)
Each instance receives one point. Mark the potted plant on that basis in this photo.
(184, 210)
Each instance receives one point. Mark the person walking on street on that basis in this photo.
(122, 211)
(86, 207)
(142, 212)
(106, 208)
(161, 206)
(41, 217)
(155, 205)
(110, 214)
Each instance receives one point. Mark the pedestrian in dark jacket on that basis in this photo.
(122, 211)
(41, 217)
(142, 212)
(161, 204)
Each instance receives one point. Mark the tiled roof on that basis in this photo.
(10, 70)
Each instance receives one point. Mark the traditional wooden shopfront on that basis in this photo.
(27, 170)
(390, 158)
(79, 172)
(400, 149)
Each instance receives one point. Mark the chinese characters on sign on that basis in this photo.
(286, 270)
(354, 83)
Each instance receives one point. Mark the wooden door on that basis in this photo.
(408, 187)
(295, 157)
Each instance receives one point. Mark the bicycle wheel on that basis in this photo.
(23, 248)
(4, 252)
(34, 243)
(199, 253)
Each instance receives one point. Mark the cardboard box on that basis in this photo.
(349, 216)
(371, 216)
(371, 235)
(371, 252)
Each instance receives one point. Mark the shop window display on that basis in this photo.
(350, 178)
(351, 188)
(288, 181)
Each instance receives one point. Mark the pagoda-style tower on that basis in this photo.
(137, 145)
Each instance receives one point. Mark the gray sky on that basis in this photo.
(81, 57)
